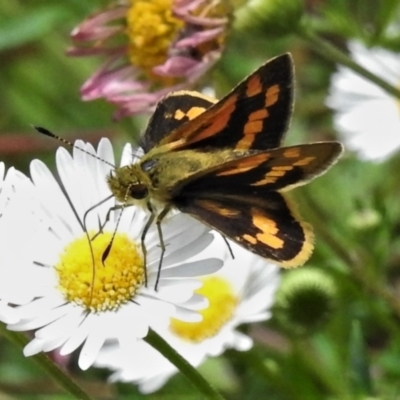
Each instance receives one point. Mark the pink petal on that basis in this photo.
(202, 67)
(140, 102)
(199, 37)
(183, 9)
(93, 27)
(176, 66)
(203, 21)
(108, 81)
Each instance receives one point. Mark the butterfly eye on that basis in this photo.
(138, 191)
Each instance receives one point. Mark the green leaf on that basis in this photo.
(19, 30)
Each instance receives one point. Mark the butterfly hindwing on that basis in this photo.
(266, 226)
(255, 115)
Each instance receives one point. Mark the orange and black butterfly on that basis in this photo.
(221, 162)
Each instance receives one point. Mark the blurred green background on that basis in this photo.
(354, 353)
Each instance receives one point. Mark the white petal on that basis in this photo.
(64, 325)
(7, 314)
(78, 336)
(39, 306)
(196, 268)
(47, 318)
(131, 331)
(91, 347)
(50, 193)
(242, 342)
(178, 293)
(187, 315)
(249, 319)
(175, 235)
(152, 384)
(190, 250)
(33, 347)
(196, 302)
(50, 345)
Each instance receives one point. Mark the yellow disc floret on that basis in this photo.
(222, 304)
(151, 28)
(100, 281)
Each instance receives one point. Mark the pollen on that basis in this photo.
(97, 282)
(222, 305)
(151, 29)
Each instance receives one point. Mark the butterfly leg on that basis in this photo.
(101, 226)
(159, 219)
(143, 237)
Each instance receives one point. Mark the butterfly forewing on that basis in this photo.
(240, 199)
(262, 172)
(255, 115)
(171, 112)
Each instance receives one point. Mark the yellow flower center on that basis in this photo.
(223, 302)
(86, 281)
(151, 28)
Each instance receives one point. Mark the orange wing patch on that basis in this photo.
(273, 175)
(291, 152)
(254, 126)
(246, 164)
(216, 208)
(254, 86)
(304, 161)
(224, 115)
(269, 229)
(192, 113)
(272, 95)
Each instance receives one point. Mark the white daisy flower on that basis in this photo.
(241, 292)
(81, 296)
(15, 229)
(367, 117)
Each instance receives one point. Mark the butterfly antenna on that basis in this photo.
(46, 132)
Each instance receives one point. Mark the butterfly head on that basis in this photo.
(128, 184)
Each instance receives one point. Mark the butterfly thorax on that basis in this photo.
(160, 176)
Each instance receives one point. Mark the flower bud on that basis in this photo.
(304, 301)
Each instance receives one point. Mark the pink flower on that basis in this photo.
(152, 48)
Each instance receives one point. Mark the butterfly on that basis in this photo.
(222, 163)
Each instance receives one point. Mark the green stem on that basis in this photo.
(156, 341)
(47, 365)
(332, 53)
